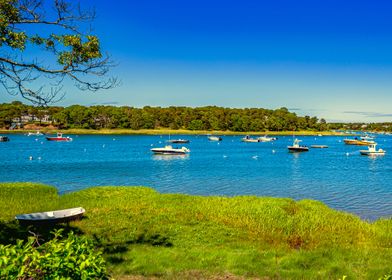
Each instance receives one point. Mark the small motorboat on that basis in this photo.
(297, 148)
(372, 151)
(58, 216)
(265, 138)
(169, 150)
(248, 139)
(4, 139)
(35, 134)
(358, 142)
(59, 137)
(214, 138)
(178, 141)
(319, 146)
(367, 138)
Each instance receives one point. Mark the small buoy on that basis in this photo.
(39, 158)
(36, 139)
(273, 151)
(30, 158)
(347, 154)
(114, 139)
(42, 142)
(224, 156)
(152, 145)
(160, 142)
(255, 157)
(103, 146)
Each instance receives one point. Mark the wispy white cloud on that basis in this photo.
(105, 103)
(369, 114)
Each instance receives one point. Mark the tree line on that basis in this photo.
(200, 118)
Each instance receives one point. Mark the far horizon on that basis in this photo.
(330, 60)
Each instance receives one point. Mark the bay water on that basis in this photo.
(338, 176)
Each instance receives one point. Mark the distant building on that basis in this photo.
(32, 118)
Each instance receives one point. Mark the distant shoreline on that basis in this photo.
(172, 132)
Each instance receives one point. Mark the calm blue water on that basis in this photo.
(339, 176)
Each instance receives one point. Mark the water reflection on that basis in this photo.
(170, 157)
(295, 155)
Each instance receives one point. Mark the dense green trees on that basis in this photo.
(201, 118)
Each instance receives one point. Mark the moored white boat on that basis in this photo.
(178, 141)
(59, 137)
(35, 133)
(367, 138)
(265, 138)
(214, 138)
(169, 150)
(296, 147)
(372, 151)
(58, 216)
(248, 139)
(4, 139)
(357, 142)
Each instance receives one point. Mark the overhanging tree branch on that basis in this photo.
(71, 53)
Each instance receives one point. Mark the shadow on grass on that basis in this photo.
(11, 231)
(114, 250)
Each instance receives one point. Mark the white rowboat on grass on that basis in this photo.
(58, 216)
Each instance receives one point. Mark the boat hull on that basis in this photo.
(51, 217)
(267, 139)
(179, 141)
(250, 140)
(357, 142)
(297, 149)
(63, 139)
(158, 152)
(367, 153)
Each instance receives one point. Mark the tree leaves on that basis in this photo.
(67, 53)
(70, 257)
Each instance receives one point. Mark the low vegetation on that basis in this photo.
(143, 232)
(70, 257)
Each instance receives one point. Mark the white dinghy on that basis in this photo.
(58, 216)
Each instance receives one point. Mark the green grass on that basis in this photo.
(119, 131)
(143, 232)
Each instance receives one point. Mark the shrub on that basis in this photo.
(72, 257)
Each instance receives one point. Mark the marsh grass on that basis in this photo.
(143, 232)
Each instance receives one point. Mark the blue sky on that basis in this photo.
(330, 58)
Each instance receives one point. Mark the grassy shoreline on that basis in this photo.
(173, 236)
(174, 132)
